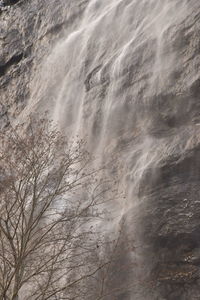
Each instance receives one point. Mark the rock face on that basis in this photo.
(28, 29)
(127, 74)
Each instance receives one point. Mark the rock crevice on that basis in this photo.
(14, 60)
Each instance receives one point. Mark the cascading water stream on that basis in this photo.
(113, 80)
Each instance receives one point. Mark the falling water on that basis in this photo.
(115, 79)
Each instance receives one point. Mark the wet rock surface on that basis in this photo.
(28, 30)
(172, 228)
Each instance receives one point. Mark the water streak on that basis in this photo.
(104, 81)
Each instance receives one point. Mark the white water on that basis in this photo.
(99, 83)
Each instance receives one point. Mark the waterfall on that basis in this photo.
(118, 79)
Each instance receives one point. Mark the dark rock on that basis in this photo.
(13, 61)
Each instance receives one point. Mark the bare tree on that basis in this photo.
(49, 202)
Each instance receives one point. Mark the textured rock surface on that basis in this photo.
(129, 75)
(28, 29)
